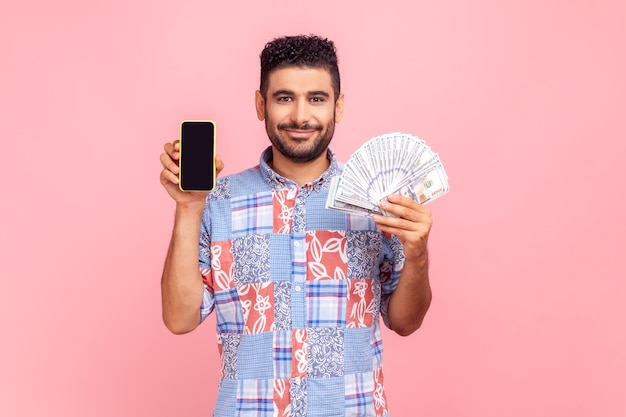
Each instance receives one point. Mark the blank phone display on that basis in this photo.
(197, 156)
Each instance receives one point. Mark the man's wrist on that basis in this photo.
(419, 260)
(190, 208)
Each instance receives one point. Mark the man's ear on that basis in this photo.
(339, 108)
(259, 103)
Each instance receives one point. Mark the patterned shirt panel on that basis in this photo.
(298, 291)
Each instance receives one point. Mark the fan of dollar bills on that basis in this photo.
(394, 163)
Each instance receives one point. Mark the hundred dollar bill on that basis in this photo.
(333, 203)
(388, 164)
(428, 187)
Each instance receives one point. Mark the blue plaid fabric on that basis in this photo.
(298, 292)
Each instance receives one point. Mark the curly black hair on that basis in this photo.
(300, 51)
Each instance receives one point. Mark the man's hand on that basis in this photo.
(169, 176)
(412, 226)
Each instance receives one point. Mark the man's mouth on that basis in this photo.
(299, 132)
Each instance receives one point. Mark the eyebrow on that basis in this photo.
(285, 92)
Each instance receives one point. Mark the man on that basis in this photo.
(297, 289)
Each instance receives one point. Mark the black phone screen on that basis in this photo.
(197, 156)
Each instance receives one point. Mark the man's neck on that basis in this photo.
(300, 173)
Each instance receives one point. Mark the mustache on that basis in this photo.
(294, 126)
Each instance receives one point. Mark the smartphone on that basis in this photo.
(197, 155)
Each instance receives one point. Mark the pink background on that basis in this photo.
(523, 100)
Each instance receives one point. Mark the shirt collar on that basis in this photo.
(277, 181)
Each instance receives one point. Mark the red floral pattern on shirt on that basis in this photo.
(326, 255)
(282, 399)
(222, 266)
(299, 345)
(257, 302)
(361, 303)
(380, 399)
(283, 201)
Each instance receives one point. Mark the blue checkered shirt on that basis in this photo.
(298, 292)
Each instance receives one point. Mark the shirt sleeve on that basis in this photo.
(390, 271)
(204, 262)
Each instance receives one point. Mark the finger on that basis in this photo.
(414, 234)
(403, 212)
(219, 164)
(406, 201)
(168, 176)
(173, 150)
(404, 218)
(169, 164)
(387, 223)
(404, 206)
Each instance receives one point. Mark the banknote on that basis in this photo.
(394, 163)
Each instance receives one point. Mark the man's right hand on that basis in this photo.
(169, 176)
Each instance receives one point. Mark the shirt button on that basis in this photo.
(296, 244)
(298, 288)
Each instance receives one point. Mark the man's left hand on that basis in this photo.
(412, 226)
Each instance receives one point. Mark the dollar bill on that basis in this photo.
(394, 163)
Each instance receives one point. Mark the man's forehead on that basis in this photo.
(299, 78)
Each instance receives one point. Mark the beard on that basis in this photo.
(302, 151)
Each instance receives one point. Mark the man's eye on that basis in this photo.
(284, 99)
(318, 99)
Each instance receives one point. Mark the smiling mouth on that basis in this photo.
(300, 133)
(292, 127)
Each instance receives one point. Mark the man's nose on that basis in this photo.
(301, 113)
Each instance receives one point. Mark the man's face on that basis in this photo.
(300, 112)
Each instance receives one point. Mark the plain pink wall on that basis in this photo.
(523, 100)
